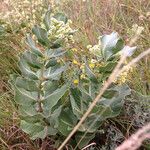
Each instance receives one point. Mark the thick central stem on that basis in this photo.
(40, 109)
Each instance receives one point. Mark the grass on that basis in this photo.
(92, 18)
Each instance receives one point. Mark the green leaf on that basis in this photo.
(41, 35)
(54, 74)
(58, 52)
(77, 102)
(52, 99)
(46, 19)
(32, 119)
(26, 71)
(28, 109)
(37, 130)
(31, 128)
(53, 118)
(61, 17)
(26, 84)
(82, 139)
(12, 80)
(119, 46)
(53, 53)
(32, 59)
(67, 121)
(108, 67)
(79, 106)
(96, 118)
(116, 102)
(51, 63)
(27, 102)
(34, 49)
(100, 113)
(49, 87)
(111, 44)
(24, 97)
(110, 93)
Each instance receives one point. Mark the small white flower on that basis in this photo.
(93, 61)
(89, 46)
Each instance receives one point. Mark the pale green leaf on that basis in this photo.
(29, 85)
(41, 35)
(54, 74)
(32, 59)
(110, 45)
(67, 121)
(46, 19)
(51, 100)
(26, 71)
(34, 49)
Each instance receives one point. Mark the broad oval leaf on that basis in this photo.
(54, 73)
(26, 71)
(110, 45)
(24, 97)
(116, 102)
(51, 63)
(41, 35)
(109, 66)
(34, 49)
(27, 84)
(52, 99)
(37, 130)
(53, 53)
(32, 59)
(67, 120)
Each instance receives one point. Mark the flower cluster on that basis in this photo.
(60, 30)
(137, 29)
(96, 49)
(124, 76)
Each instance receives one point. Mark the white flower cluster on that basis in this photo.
(137, 30)
(96, 49)
(60, 30)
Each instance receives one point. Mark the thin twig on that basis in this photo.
(135, 141)
(88, 146)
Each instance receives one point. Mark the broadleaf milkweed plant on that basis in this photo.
(53, 92)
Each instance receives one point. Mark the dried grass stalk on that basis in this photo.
(135, 141)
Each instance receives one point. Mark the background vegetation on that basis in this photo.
(92, 18)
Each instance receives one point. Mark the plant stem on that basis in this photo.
(39, 99)
(40, 109)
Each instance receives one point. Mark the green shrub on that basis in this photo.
(53, 92)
